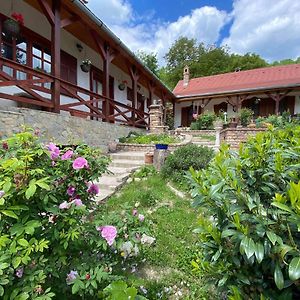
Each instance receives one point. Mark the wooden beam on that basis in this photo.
(47, 11)
(55, 53)
(135, 75)
(277, 97)
(68, 21)
(151, 88)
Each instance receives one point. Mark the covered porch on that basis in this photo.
(263, 103)
(40, 67)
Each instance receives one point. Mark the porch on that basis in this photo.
(40, 68)
(263, 104)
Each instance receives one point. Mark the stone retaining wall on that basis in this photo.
(194, 132)
(150, 148)
(62, 128)
(235, 136)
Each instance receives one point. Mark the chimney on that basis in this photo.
(186, 76)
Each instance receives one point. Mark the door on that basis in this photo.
(96, 81)
(186, 116)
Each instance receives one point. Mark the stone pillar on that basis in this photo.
(156, 112)
(159, 158)
(218, 133)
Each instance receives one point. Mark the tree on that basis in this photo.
(149, 60)
(246, 62)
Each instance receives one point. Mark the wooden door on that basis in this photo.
(266, 107)
(96, 82)
(186, 116)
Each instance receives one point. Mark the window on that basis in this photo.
(34, 51)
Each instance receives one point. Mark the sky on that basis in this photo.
(270, 28)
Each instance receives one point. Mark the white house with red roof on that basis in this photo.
(267, 91)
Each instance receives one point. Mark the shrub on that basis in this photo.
(183, 158)
(245, 116)
(204, 121)
(249, 230)
(54, 239)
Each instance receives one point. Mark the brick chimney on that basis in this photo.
(186, 76)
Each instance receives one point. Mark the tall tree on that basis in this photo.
(149, 60)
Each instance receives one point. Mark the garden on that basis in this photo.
(209, 226)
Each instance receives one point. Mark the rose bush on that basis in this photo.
(56, 241)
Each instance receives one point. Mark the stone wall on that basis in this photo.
(235, 136)
(194, 132)
(62, 128)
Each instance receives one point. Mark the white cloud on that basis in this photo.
(112, 11)
(267, 27)
(203, 24)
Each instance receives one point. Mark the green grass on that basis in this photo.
(206, 137)
(150, 139)
(173, 220)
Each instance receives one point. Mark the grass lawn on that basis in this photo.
(206, 137)
(167, 270)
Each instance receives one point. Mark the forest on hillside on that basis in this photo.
(202, 60)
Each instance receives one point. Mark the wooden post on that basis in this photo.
(151, 88)
(277, 98)
(108, 56)
(55, 54)
(134, 74)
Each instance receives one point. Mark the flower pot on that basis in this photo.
(85, 67)
(11, 27)
(161, 146)
(149, 158)
(121, 86)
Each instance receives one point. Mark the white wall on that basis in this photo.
(37, 22)
(297, 105)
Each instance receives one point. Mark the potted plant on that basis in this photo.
(86, 65)
(161, 146)
(12, 25)
(122, 85)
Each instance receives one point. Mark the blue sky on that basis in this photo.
(270, 28)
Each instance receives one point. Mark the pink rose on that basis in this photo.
(109, 233)
(78, 202)
(67, 155)
(141, 217)
(80, 163)
(93, 188)
(64, 205)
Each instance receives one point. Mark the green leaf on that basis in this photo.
(278, 277)
(282, 206)
(1, 291)
(30, 191)
(23, 242)
(228, 232)
(43, 185)
(294, 269)
(249, 247)
(9, 213)
(272, 237)
(259, 252)
(16, 262)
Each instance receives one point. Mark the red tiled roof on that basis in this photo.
(269, 77)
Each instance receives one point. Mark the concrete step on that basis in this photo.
(134, 156)
(126, 163)
(202, 140)
(103, 194)
(119, 171)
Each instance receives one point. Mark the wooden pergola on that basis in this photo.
(75, 18)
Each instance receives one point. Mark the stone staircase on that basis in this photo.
(121, 166)
(202, 141)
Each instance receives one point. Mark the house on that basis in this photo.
(41, 65)
(270, 90)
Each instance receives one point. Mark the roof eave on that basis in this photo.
(266, 88)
